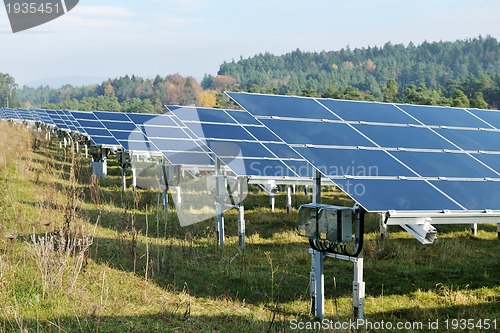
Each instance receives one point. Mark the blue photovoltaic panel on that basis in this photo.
(99, 135)
(492, 117)
(316, 133)
(443, 116)
(258, 167)
(111, 116)
(201, 114)
(475, 195)
(243, 117)
(335, 163)
(472, 139)
(262, 133)
(282, 150)
(382, 195)
(419, 162)
(126, 133)
(152, 120)
(168, 137)
(283, 106)
(434, 164)
(216, 131)
(58, 121)
(367, 111)
(238, 149)
(404, 137)
(247, 147)
(492, 160)
(44, 117)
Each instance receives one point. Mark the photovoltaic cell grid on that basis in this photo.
(391, 156)
(242, 143)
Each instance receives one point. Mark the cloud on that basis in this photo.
(109, 11)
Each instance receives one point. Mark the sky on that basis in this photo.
(102, 39)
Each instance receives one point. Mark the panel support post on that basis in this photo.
(86, 151)
(219, 212)
(272, 201)
(288, 199)
(473, 229)
(104, 161)
(134, 178)
(123, 158)
(358, 289)
(317, 285)
(165, 195)
(241, 214)
(383, 227)
(178, 197)
(241, 226)
(316, 195)
(498, 231)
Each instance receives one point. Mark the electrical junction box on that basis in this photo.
(326, 222)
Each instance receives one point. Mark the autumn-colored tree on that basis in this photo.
(207, 98)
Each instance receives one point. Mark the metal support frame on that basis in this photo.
(317, 281)
(123, 164)
(473, 229)
(241, 214)
(288, 199)
(421, 222)
(219, 209)
(270, 188)
(178, 197)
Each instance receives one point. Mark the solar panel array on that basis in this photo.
(391, 156)
(385, 156)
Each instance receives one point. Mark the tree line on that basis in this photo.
(428, 73)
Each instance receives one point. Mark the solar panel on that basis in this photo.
(391, 156)
(242, 143)
(44, 117)
(163, 134)
(89, 123)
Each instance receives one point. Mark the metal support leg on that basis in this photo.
(104, 161)
(86, 151)
(65, 143)
(316, 192)
(272, 201)
(124, 181)
(241, 226)
(312, 283)
(473, 229)
(383, 227)
(178, 197)
(289, 199)
(319, 285)
(220, 223)
(134, 178)
(358, 289)
(498, 230)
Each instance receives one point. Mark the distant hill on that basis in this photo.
(58, 82)
(368, 69)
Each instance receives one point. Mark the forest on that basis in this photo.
(464, 73)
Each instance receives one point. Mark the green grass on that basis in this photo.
(191, 285)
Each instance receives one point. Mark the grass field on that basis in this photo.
(79, 255)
